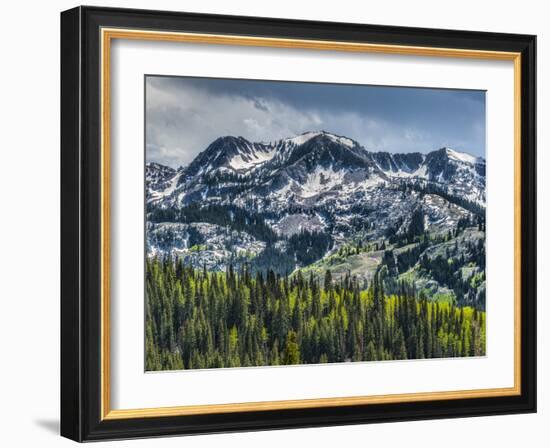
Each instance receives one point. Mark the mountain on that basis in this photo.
(304, 202)
(158, 180)
(312, 164)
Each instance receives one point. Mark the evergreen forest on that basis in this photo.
(196, 319)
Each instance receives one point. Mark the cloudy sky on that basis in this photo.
(184, 115)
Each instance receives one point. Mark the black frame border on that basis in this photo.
(81, 223)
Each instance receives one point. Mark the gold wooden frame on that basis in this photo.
(107, 35)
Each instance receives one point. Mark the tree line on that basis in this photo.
(198, 319)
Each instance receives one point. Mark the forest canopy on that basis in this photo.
(197, 319)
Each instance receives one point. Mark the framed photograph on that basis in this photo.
(276, 224)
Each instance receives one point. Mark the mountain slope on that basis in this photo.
(297, 201)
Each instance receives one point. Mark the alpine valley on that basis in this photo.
(318, 203)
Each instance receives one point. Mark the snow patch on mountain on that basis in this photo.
(462, 156)
(295, 223)
(302, 138)
(320, 180)
(172, 184)
(343, 140)
(240, 162)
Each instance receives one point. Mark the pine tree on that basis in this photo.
(292, 350)
(328, 280)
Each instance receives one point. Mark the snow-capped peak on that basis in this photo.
(302, 138)
(461, 156)
(239, 154)
(306, 136)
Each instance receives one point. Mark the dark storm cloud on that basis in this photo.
(184, 115)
